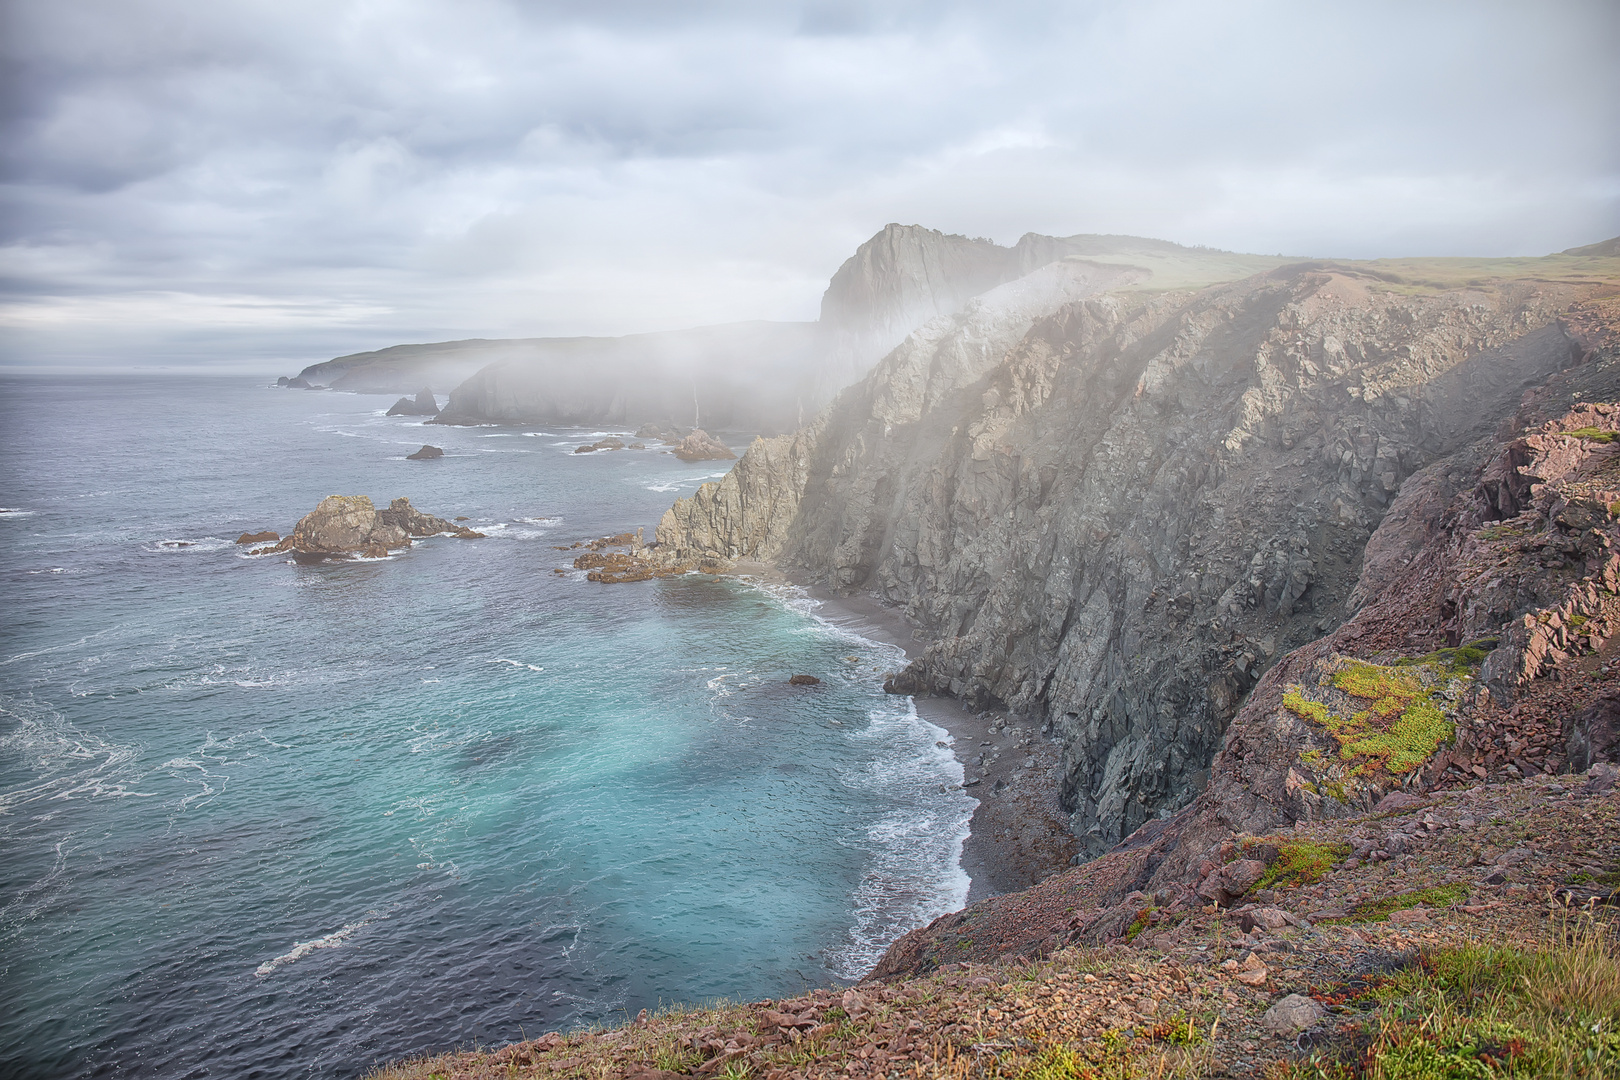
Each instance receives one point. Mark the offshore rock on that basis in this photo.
(1118, 512)
(427, 453)
(350, 524)
(804, 680)
(269, 536)
(424, 405)
(701, 446)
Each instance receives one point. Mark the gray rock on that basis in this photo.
(1294, 1013)
(1115, 513)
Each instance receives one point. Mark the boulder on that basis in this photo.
(612, 442)
(804, 680)
(701, 446)
(1292, 1014)
(266, 537)
(424, 405)
(427, 453)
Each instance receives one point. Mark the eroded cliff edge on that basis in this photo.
(1113, 514)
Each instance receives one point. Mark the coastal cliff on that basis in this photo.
(1117, 520)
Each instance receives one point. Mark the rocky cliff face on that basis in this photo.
(1118, 520)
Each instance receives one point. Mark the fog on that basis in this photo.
(261, 185)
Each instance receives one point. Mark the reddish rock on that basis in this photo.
(804, 680)
(266, 537)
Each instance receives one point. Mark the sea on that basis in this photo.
(276, 820)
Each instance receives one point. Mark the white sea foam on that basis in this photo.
(914, 871)
(202, 543)
(14, 511)
(51, 570)
(515, 663)
(66, 763)
(335, 940)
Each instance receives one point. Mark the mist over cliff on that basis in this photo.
(1113, 512)
(755, 376)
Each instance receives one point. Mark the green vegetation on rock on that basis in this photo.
(1489, 1012)
(1378, 910)
(1597, 435)
(1389, 718)
(1302, 862)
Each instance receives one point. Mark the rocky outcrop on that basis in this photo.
(423, 405)
(612, 442)
(350, 525)
(701, 446)
(269, 536)
(427, 453)
(1117, 521)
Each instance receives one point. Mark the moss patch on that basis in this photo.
(1301, 862)
(1388, 718)
(1592, 434)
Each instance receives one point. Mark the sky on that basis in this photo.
(234, 184)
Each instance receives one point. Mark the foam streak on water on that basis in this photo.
(296, 819)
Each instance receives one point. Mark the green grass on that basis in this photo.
(1301, 862)
(1592, 434)
(1492, 1012)
(1378, 910)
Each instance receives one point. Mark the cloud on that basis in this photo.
(296, 179)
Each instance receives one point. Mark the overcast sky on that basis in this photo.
(252, 182)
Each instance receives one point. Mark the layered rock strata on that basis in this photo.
(1114, 514)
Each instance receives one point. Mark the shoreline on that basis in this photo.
(1018, 835)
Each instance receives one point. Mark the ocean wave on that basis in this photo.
(335, 940)
(14, 511)
(914, 872)
(51, 570)
(203, 543)
(514, 663)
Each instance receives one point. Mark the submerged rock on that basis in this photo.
(804, 680)
(612, 442)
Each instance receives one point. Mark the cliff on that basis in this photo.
(1117, 520)
(753, 376)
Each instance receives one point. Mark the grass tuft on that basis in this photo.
(1489, 1012)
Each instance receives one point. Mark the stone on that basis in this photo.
(1268, 918)
(1410, 917)
(1253, 976)
(266, 537)
(611, 442)
(701, 446)
(424, 405)
(804, 680)
(1399, 800)
(427, 453)
(1292, 1014)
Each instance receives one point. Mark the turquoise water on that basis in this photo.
(268, 819)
